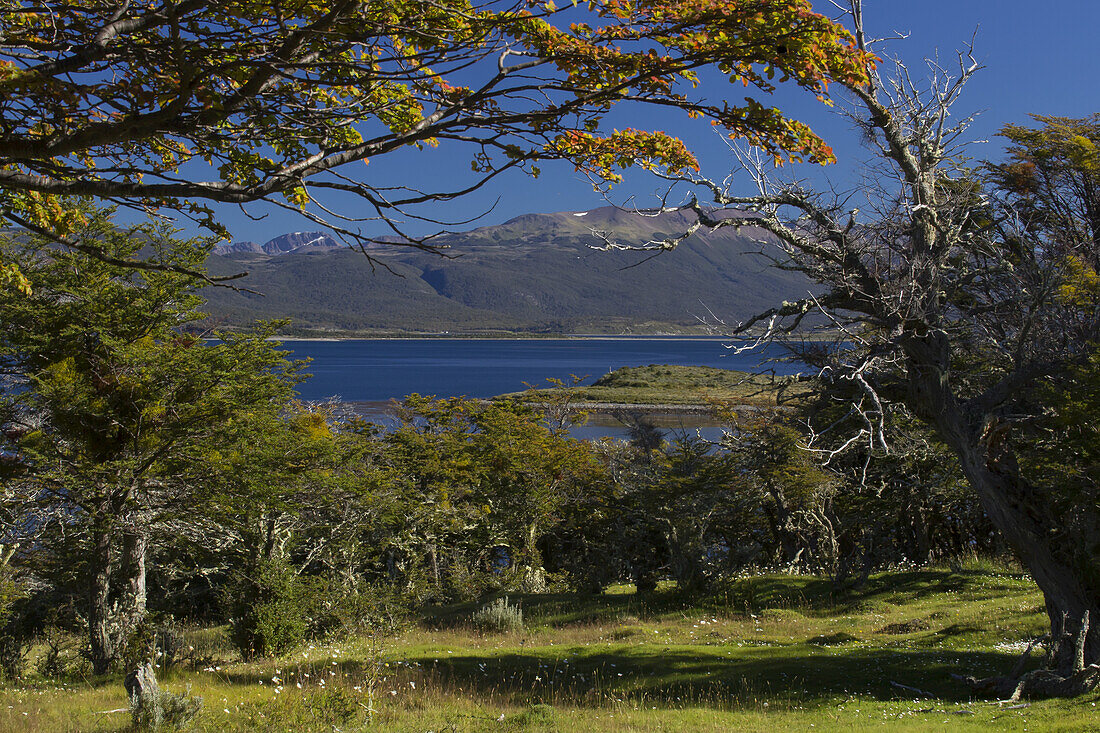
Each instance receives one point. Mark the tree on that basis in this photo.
(11, 277)
(672, 509)
(128, 102)
(1052, 181)
(114, 411)
(786, 485)
(911, 505)
(480, 485)
(960, 307)
(528, 474)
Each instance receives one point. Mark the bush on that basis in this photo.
(63, 654)
(498, 615)
(346, 611)
(169, 644)
(270, 611)
(537, 714)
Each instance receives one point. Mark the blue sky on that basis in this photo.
(1039, 57)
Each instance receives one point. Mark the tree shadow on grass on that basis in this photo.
(726, 678)
(746, 595)
(795, 675)
(896, 588)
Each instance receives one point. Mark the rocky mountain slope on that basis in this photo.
(534, 273)
(293, 242)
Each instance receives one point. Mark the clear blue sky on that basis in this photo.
(1040, 57)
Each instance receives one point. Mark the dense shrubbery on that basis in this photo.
(466, 500)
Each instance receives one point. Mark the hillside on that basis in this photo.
(536, 273)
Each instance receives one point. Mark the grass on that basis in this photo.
(766, 653)
(678, 385)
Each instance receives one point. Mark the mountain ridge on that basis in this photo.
(537, 273)
(282, 244)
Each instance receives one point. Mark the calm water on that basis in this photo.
(377, 370)
(371, 372)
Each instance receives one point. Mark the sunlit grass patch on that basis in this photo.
(773, 652)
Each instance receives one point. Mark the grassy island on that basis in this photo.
(667, 384)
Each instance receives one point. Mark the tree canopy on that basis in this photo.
(165, 104)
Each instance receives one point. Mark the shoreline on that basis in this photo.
(456, 337)
(609, 409)
(670, 409)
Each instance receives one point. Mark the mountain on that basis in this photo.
(534, 273)
(293, 242)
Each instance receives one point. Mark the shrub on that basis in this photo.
(270, 610)
(346, 611)
(537, 714)
(62, 654)
(464, 583)
(499, 615)
(170, 644)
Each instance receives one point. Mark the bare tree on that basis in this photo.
(941, 304)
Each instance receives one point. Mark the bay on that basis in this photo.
(378, 370)
(368, 374)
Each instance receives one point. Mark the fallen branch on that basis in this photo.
(1039, 683)
(907, 688)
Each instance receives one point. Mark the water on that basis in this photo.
(378, 370)
(371, 372)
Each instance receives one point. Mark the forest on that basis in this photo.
(908, 534)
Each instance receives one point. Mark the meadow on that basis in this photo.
(758, 653)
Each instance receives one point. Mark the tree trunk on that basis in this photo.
(682, 564)
(1021, 514)
(118, 596)
(103, 648)
(146, 707)
(131, 602)
(534, 580)
(1016, 510)
(782, 526)
(920, 550)
(141, 684)
(433, 557)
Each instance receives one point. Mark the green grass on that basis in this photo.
(678, 385)
(765, 653)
